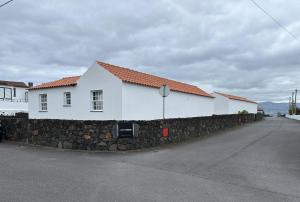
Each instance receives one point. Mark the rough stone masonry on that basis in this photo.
(99, 135)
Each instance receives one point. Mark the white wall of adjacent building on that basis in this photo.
(10, 108)
(235, 106)
(224, 105)
(221, 104)
(12, 100)
(140, 102)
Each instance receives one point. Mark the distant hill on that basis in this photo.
(273, 108)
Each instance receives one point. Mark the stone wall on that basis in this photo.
(99, 135)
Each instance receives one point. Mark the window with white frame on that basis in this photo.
(8, 93)
(96, 100)
(43, 102)
(5, 93)
(2, 94)
(67, 99)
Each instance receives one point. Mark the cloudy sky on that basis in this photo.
(229, 46)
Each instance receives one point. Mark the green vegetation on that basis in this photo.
(243, 112)
(297, 111)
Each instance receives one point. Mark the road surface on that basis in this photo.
(257, 162)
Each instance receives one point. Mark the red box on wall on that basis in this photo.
(165, 132)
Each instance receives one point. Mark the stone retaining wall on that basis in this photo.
(98, 135)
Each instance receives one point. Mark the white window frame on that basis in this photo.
(43, 102)
(97, 102)
(66, 104)
(3, 93)
(8, 93)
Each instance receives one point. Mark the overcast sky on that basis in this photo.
(229, 46)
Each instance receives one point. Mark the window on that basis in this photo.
(67, 99)
(2, 93)
(26, 96)
(5, 93)
(96, 100)
(43, 102)
(15, 92)
(8, 93)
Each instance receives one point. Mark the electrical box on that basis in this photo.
(165, 132)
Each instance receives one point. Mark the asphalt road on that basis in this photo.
(257, 162)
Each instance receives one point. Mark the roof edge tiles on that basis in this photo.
(66, 81)
(144, 79)
(133, 77)
(234, 97)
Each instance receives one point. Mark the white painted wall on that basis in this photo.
(144, 103)
(96, 78)
(294, 117)
(56, 110)
(221, 104)
(10, 108)
(17, 104)
(224, 105)
(235, 106)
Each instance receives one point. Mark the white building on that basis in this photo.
(231, 104)
(109, 92)
(13, 97)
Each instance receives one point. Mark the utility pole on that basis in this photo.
(293, 103)
(290, 100)
(296, 91)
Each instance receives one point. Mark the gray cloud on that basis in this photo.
(223, 46)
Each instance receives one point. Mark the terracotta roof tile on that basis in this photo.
(234, 97)
(67, 81)
(139, 78)
(130, 76)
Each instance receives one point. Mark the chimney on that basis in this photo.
(30, 84)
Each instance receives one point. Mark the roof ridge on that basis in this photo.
(12, 81)
(70, 77)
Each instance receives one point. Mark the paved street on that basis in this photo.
(258, 162)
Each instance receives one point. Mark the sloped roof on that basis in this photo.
(139, 78)
(130, 76)
(13, 83)
(66, 81)
(234, 97)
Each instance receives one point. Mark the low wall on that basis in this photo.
(294, 117)
(10, 108)
(99, 135)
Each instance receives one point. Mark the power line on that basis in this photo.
(5, 3)
(275, 20)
